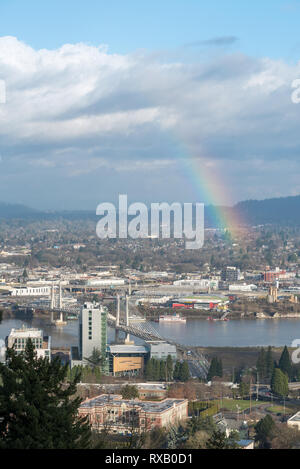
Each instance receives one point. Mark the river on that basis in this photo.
(235, 333)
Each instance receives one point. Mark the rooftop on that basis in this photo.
(24, 332)
(127, 349)
(117, 400)
(295, 418)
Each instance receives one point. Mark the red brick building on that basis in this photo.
(123, 416)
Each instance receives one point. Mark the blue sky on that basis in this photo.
(108, 97)
(262, 28)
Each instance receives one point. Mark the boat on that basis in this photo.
(172, 318)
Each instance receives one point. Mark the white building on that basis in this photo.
(201, 284)
(92, 333)
(105, 282)
(18, 339)
(31, 291)
(242, 287)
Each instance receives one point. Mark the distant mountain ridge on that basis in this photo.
(277, 211)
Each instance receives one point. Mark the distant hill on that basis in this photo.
(278, 211)
(9, 211)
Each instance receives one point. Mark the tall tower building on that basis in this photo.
(92, 331)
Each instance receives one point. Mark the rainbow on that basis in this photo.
(210, 186)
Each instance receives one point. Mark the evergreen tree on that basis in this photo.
(129, 392)
(264, 431)
(213, 369)
(163, 370)
(156, 367)
(176, 372)
(169, 365)
(279, 383)
(219, 368)
(149, 370)
(96, 360)
(261, 364)
(269, 363)
(174, 437)
(285, 363)
(184, 373)
(38, 409)
(244, 389)
(219, 440)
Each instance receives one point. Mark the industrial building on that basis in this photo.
(160, 350)
(231, 274)
(198, 302)
(18, 338)
(31, 291)
(125, 416)
(126, 359)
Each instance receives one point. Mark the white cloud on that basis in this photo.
(80, 109)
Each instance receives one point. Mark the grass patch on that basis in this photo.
(279, 409)
(231, 404)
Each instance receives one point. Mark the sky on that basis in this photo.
(185, 101)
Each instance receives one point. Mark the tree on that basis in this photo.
(219, 440)
(264, 431)
(162, 371)
(96, 360)
(269, 363)
(176, 370)
(285, 363)
(244, 389)
(215, 369)
(129, 392)
(184, 373)
(219, 368)
(149, 370)
(38, 408)
(212, 369)
(169, 365)
(285, 437)
(175, 437)
(261, 364)
(279, 383)
(25, 274)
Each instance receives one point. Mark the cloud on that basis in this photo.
(215, 42)
(80, 112)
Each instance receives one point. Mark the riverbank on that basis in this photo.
(235, 358)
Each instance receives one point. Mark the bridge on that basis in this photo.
(198, 364)
(136, 327)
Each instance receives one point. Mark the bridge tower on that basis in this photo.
(60, 303)
(52, 303)
(117, 319)
(127, 339)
